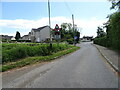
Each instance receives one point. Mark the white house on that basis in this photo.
(26, 37)
(13, 38)
(40, 34)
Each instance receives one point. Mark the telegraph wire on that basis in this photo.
(69, 9)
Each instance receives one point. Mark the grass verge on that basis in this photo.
(33, 60)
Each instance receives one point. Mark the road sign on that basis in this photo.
(75, 37)
(57, 30)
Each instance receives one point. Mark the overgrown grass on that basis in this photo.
(14, 52)
(35, 59)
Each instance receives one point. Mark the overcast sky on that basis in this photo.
(23, 16)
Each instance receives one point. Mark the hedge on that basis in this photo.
(112, 39)
(35, 59)
(13, 52)
(101, 41)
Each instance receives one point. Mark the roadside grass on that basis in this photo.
(35, 59)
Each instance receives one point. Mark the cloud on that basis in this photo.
(29, 24)
(88, 26)
(19, 23)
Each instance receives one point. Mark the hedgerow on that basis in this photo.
(35, 59)
(14, 52)
(101, 41)
(112, 39)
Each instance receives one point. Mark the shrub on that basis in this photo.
(101, 41)
(112, 39)
(114, 31)
(70, 41)
(13, 52)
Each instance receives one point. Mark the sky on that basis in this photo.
(23, 16)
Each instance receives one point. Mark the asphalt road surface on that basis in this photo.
(85, 68)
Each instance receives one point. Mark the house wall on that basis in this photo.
(29, 36)
(32, 36)
(45, 33)
(37, 36)
(41, 35)
(24, 38)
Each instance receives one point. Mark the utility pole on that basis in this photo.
(73, 29)
(49, 24)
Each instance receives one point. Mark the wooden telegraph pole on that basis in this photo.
(49, 24)
(73, 29)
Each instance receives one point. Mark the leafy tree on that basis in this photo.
(17, 37)
(115, 4)
(114, 30)
(112, 37)
(63, 28)
(100, 32)
(67, 32)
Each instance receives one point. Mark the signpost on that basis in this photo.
(75, 37)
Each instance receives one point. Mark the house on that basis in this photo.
(13, 38)
(6, 37)
(40, 34)
(26, 37)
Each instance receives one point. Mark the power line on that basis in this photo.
(69, 9)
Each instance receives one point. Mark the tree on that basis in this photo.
(112, 36)
(115, 4)
(67, 32)
(63, 28)
(17, 37)
(100, 32)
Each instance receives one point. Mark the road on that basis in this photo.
(85, 68)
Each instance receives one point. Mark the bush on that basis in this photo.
(101, 41)
(114, 31)
(112, 39)
(70, 41)
(32, 60)
(13, 52)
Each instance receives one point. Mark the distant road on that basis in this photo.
(84, 68)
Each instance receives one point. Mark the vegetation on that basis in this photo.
(31, 60)
(67, 33)
(17, 37)
(13, 52)
(112, 37)
(115, 4)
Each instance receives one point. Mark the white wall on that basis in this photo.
(45, 33)
(42, 34)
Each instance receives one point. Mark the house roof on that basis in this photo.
(40, 28)
(6, 36)
(25, 35)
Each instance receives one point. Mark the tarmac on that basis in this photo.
(111, 56)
